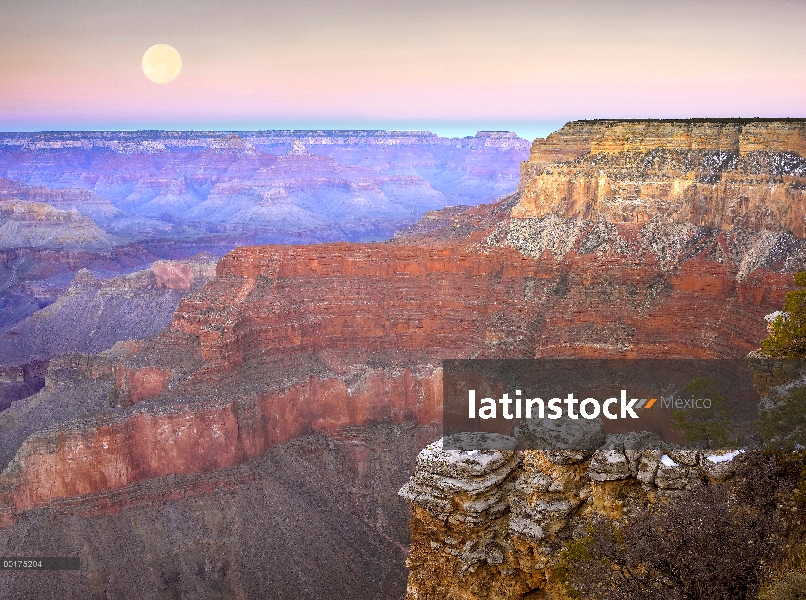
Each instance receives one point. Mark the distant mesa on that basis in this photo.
(497, 135)
(343, 185)
(233, 142)
(298, 149)
(38, 225)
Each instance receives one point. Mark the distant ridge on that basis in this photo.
(739, 120)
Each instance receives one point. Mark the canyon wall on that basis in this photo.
(719, 173)
(705, 206)
(39, 225)
(93, 313)
(275, 186)
(314, 518)
(97, 200)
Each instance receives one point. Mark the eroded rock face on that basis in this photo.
(39, 225)
(21, 381)
(90, 204)
(721, 174)
(109, 452)
(269, 333)
(571, 440)
(263, 529)
(94, 313)
(493, 531)
(278, 187)
(474, 478)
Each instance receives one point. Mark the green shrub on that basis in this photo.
(575, 550)
(784, 427)
(787, 337)
(709, 426)
(712, 543)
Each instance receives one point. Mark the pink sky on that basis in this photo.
(446, 66)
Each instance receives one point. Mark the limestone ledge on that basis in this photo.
(577, 138)
(668, 245)
(488, 523)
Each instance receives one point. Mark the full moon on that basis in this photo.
(162, 63)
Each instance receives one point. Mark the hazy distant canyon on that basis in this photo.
(254, 186)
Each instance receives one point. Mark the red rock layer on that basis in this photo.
(111, 456)
(349, 304)
(181, 275)
(350, 297)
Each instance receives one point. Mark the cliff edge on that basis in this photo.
(721, 173)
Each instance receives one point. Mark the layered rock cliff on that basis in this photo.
(88, 203)
(89, 198)
(705, 206)
(341, 185)
(93, 314)
(315, 518)
(717, 173)
(267, 353)
(38, 225)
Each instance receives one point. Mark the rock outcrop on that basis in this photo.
(704, 205)
(32, 278)
(38, 225)
(86, 202)
(489, 524)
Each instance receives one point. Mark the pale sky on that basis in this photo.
(449, 66)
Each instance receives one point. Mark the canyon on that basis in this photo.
(113, 203)
(269, 426)
(259, 186)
